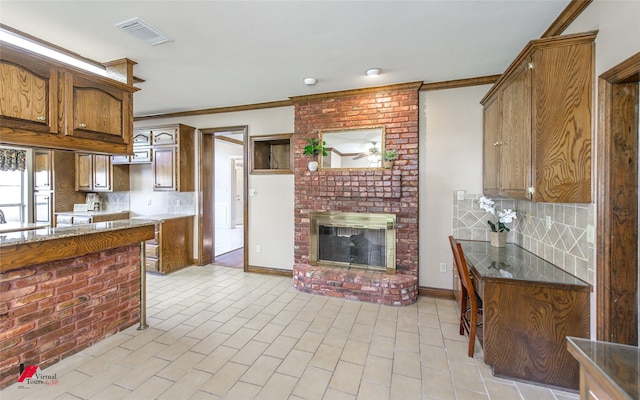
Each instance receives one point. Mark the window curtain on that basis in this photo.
(12, 160)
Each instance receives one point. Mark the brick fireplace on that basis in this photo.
(388, 191)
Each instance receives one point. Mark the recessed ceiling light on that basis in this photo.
(310, 81)
(373, 71)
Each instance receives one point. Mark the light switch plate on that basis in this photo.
(252, 192)
(590, 234)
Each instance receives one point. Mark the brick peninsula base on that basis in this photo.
(64, 289)
(353, 284)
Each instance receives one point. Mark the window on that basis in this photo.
(13, 202)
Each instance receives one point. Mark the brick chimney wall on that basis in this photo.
(393, 191)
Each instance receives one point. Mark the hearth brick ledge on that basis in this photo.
(353, 284)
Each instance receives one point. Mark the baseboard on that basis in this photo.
(270, 271)
(436, 292)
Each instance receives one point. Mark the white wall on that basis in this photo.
(224, 153)
(271, 210)
(450, 160)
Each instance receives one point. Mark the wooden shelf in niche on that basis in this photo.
(271, 154)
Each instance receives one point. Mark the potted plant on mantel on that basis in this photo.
(312, 149)
(388, 157)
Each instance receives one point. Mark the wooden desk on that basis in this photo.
(530, 306)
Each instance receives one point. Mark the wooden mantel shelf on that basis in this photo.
(26, 248)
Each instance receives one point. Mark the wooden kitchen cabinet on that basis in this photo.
(96, 173)
(98, 110)
(48, 104)
(42, 170)
(29, 94)
(537, 123)
(172, 158)
(141, 149)
(172, 247)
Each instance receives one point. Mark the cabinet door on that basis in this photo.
(28, 93)
(164, 169)
(101, 173)
(141, 155)
(162, 136)
(98, 111)
(492, 137)
(41, 170)
(515, 150)
(42, 207)
(142, 138)
(84, 172)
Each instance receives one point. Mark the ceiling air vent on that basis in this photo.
(143, 31)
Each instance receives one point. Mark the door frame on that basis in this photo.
(206, 212)
(617, 205)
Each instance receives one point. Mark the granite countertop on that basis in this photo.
(91, 213)
(514, 262)
(21, 226)
(162, 217)
(49, 233)
(618, 364)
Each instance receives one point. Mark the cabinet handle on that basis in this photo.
(530, 66)
(497, 144)
(82, 125)
(42, 118)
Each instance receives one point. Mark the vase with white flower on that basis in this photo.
(498, 234)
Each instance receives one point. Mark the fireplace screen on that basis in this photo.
(353, 240)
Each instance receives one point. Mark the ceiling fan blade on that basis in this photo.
(361, 155)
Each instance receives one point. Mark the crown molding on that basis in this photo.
(459, 83)
(218, 110)
(566, 17)
(356, 92)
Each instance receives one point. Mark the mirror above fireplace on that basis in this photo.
(351, 148)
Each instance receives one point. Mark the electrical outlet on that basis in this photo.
(460, 194)
(149, 202)
(443, 267)
(547, 222)
(259, 248)
(528, 217)
(178, 203)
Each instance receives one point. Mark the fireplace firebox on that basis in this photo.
(353, 240)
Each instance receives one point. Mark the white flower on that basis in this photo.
(506, 216)
(487, 205)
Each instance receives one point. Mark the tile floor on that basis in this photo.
(219, 333)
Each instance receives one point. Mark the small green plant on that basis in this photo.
(389, 155)
(313, 148)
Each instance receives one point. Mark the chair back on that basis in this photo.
(3, 220)
(463, 271)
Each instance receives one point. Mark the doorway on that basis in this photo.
(617, 203)
(223, 183)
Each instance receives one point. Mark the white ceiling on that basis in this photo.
(227, 53)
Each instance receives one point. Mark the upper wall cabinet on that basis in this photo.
(28, 93)
(172, 156)
(50, 105)
(537, 123)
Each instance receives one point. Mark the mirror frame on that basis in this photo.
(323, 132)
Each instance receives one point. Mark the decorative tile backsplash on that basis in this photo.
(114, 201)
(177, 202)
(563, 244)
